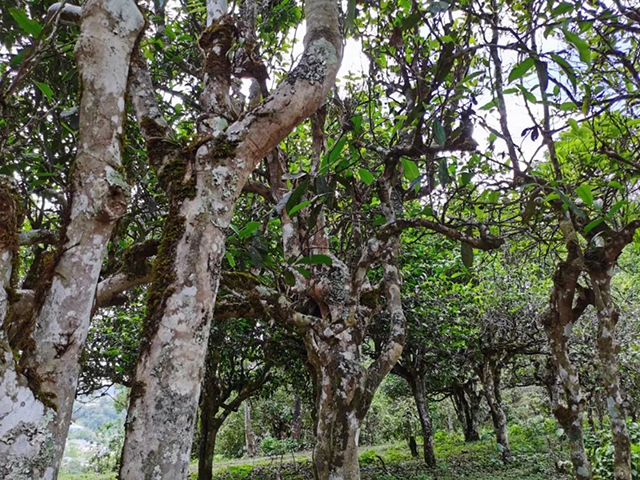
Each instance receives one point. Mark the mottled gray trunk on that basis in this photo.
(38, 396)
(425, 422)
(203, 187)
(249, 437)
(608, 349)
(296, 420)
(339, 375)
(569, 417)
(490, 376)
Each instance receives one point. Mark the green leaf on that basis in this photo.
(568, 106)
(379, 220)
(351, 15)
(552, 196)
(527, 94)
(574, 125)
(443, 172)
(248, 229)
(489, 105)
(561, 9)
(357, 123)
(303, 271)
(366, 176)
(298, 207)
(32, 27)
(317, 260)
(572, 206)
(467, 255)
(337, 150)
(567, 69)
(581, 45)
(411, 21)
(289, 278)
(296, 195)
(591, 225)
(617, 206)
(543, 75)
(585, 193)
(410, 168)
(440, 134)
(230, 259)
(465, 178)
(45, 89)
(521, 69)
(616, 184)
(17, 59)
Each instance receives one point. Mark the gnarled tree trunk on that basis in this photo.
(296, 420)
(558, 326)
(608, 352)
(38, 393)
(339, 404)
(490, 376)
(466, 402)
(204, 187)
(425, 422)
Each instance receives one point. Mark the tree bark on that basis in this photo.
(558, 326)
(249, 438)
(425, 422)
(209, 427)
(296, 420)
(339, 374)
(467, 405)
(608, 349)
(490, 376)
(38, 393)
(203, 192)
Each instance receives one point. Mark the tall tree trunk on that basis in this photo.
(249, 438)
(209, 427)
(558, 326)
(490, 376)
(608, 349)
(203, 188)
(425, 422)
(296, 419)
(570, 417)
(339, 374)
(38, 393)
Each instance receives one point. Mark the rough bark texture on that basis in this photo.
(608, 349)
(425, 422)
(296, 420)
(249, 438)
(37, 405)
(339, 375)
(466, 402)
(209, 427)
(490, 376)
(203, 192)
(558, 326)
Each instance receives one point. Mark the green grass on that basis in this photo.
(535, 455)
(456, 461)
(87, 476)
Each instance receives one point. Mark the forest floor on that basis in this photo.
(536, 458)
